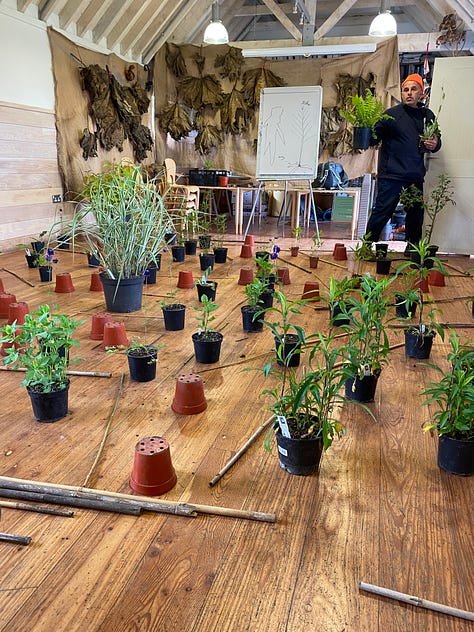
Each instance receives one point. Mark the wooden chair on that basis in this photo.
(189, 193)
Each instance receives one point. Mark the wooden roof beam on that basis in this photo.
(333, 19)
(284, 19)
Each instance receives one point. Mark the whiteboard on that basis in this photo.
(288, 133)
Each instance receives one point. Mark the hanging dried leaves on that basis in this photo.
(199, 92)
(208, 136)
(255, 80)
(336, 139)
(175, 60)
(230, 63)
(235, 115)
(174, 120)
(348, 85)
(88, 144)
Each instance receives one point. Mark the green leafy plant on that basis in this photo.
(297, 233)
(253, 292)
(366, 110)
(205, 317)
(220, 223)
(431, 128)
(317, 242)
(453, 394)
(41, 346)
(168, 298)
(205, 276)
(363, 249)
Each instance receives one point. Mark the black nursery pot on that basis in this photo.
(381, 250)
(46, 273)
(299, 456)
(127, 297)
(290, 355)
(262, 254)
(174, 316)
(362, 136)
(207, 350)
(32, 261)
(265, 299)
(383, 266)
(92, 260)
(404, 308)
(178, 253)
(220, 255)
(190, 246)
(48, 407)
(170, 238)
(63, 242)
(335, 318)
(251, 324)
(37, 246)
(361, 389)
(143, 367)
(418, 345)
(150, 275)
(456, 456)
(208, 289)
(206, 260)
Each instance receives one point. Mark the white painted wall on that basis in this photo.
(25, 62)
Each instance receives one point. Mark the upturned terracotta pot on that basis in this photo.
(337, 245)
(189, 398)
(2, 289)
(98, 323)
(246, 251)
(64, 283)
(17, 312)
(185, 279)
(311, 291)
(284, 276)
(152, 473)
(115, 335)
(250, 240)
(422, 285)
(5, 299)
(96, 282)
(340, 253)
(246, 276)
(436, 278)
(294, 250)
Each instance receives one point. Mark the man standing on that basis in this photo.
(401, 161)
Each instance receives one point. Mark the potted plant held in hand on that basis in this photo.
(41, 347)
(453, 421)
(364, 113)
(207, 342)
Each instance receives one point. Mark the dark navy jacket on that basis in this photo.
(400, 155)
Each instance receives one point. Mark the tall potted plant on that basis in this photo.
(123, 219)
(364, 113)
(453, 420)
(252, 311)
(207, 342)
(41, 347)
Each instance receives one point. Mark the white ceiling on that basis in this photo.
(136, 29)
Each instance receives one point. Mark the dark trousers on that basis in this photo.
(388, 195)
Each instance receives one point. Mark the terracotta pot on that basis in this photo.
(152, 473)
(5, 299)
(436, 278)
(115, 335)
(311, 291)
(17, 311)
(294, 250)
(96, 282)
(189, 398)
(246, 251)
(223, 181)
(337, 245)
(2, 289)
(185, 279)
(422, 285)
(284, 276)
(340, 253)
(249, 240)
(63, 283)
(98, 323)
(246, 276)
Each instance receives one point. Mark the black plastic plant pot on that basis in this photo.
(48, 407)
(204, 241)
(290, 353)
(265, 299)
(251, 324)
(207, 347)
(37, 246)
(127, 297)
(142, 367)
(336, 316)
(381, 250)
(418, 345)
(299, 456)
(150, 275)
(178, 253)
(456, 456)
(206, 260)
(46, 273)
(262, 254)
(63, 242)
(92, 261)
(404, 308)
(170, 238)
(32, 261)
(362, 136)
(361, 389)
(220, 255)
(472, 308)
(207, 289)
(190, 246)
(174, 316)
(383, 266)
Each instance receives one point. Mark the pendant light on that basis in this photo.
(216, 32)
(384, 24)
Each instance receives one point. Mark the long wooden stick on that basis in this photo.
(67, 513)
(145, 502)
(15, 539)
(240, 452)
(19, 277)
(417, 601)
(83, 373)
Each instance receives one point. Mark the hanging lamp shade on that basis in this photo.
(383, 25)
(216, 32)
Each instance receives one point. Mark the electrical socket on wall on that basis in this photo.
(57, 199)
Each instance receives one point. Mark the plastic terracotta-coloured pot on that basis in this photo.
(223, 181)
(48, 407)
(189, 398)
(96, 283)
(294, 250)
(436, 278)
(249, 240)
(284, 276)
(246, 251)
(115, 335)
(17, 312)
(422, 285)
(185, 279)
(152, 473)
(337, 245)
(340, 253)
(5, 299)
(299, 456)
(64, 283)
(311, 291)
(246, 276)
(456, 456)
(98, 323)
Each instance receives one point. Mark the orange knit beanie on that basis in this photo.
(416, 78)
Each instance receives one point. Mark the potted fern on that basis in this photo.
(365, 112)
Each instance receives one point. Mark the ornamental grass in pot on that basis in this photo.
(453, 419)
(122, 217)
(41, 347)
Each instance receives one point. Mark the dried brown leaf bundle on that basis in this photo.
(175, 60)
(235, 113)
(88, 144)
(208, 137)
(174, 120)
(230, 63)
(198, 92)
(255, 80)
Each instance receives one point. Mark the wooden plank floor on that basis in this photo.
(379, 510)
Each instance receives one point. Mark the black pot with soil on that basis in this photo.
(46, 273)
(204, 242)
(456, 456)
(142, 363)
(362, 389)
(336, 318)
(92, 260)
(32, 261)
(207, 289)
(299, 456)
(174, 316)
(361, 138)
(220, 254)
(206, 260)
(178, 253)
(48, 407)
(170, 239)
(249, 322)
(207, 346)
(382, 266)
(404, 308)
(418, 345)
(289, 354)
(190, 246)
(122, 296)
